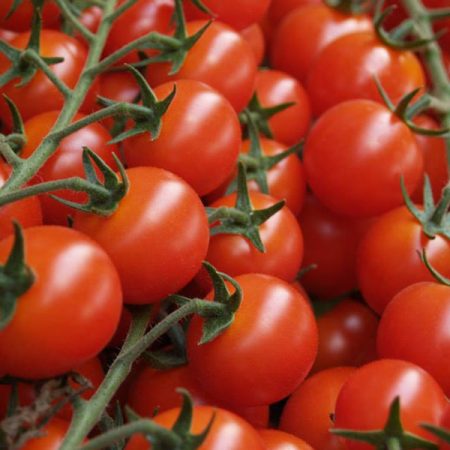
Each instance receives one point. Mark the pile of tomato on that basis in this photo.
(340, 317)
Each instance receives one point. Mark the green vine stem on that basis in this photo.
(433, 59)
(73, 20)
(88, 413)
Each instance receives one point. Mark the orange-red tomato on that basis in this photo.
(279, 440)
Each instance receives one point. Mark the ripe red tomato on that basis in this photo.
(344, 70)
(253, 362)
(279, 440)
(364, 400)
(157, 238)
(220, 58)
(40, 94)
(20, 20)
(240, 16)
(347, 336)
(388, 259)
(27, 211)
(279, 9)
(281, 236)
(53, 436)
(445, 423)
(228, 432)
(307, 413)
(355, 155)
(7, 35)
(199, 140)
(273, 88)
(300, 37)
(255, 37)
(144, 17)
(66, 161)
(414, 327)
(75, 284)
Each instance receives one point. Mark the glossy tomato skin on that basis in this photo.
(307, 412)
(255, 37)
(388, 258)
(347, 336)
(228, 432)
(21, 19)
(281, 236)
(252, 362)
(346, 68)
(445, 423)
(66, 161)
(364, 400)
(75, 284)
(414, 327)
(247, 13)
(40, 95)
(199, 140)
(144, 17)
(279, 9)
(53, 436)
(355, 155)
(323, 229)
(27, 212)
(279, 440)
(304, 32)
(221, 58)
(273, 88)
(157, 237)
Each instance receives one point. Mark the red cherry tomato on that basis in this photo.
(388, 259)
(345, 70)
(414, 327)
(255, 37)
(347, 336)
(40, 95)
(75, 284)
(299, 38)
(220, 58)
(308, 412)
(199, 140)
(147, 236)
(273, 88)
(27, 211)
(364, 400)
(228, 432)
(53, 436)
(355, 155)
(445, 423)
(279, 9)
(247, 13)
(256, 371)
(7, 35)
(279, 440)
(281, 236)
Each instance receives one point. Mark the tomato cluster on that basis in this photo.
(273, 139)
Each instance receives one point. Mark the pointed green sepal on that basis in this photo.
(200, 6)
(436, 274)
(13, 9)
(15, 278)
(350, 6)
(441, 433)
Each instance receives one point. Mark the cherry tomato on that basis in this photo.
(365, 398)
(279, 440)
(199, 140)
(220, 58)
(75, 284)
(255, 37)
(7, 35)
(299, 38)
(228, 431)
(445, 423)
(53, 436)
(144, 17)
(347, 336)
(279, 9)
(388, 259)
(66, 161)
(346, 68)
(247, 13)
(27, 211)
(355, 155)
(252, 362)
(40, 94)
(414, 327)
(273, 88)
(157, 238)
(21, 19)
(281, 236)
(308, 412)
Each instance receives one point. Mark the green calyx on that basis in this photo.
(392, 437)
(437, 275)
(242, 219)
(435, 218)
(350, 6)
(441, 433)
(15, 278)
(104, 195)
(17, 139)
